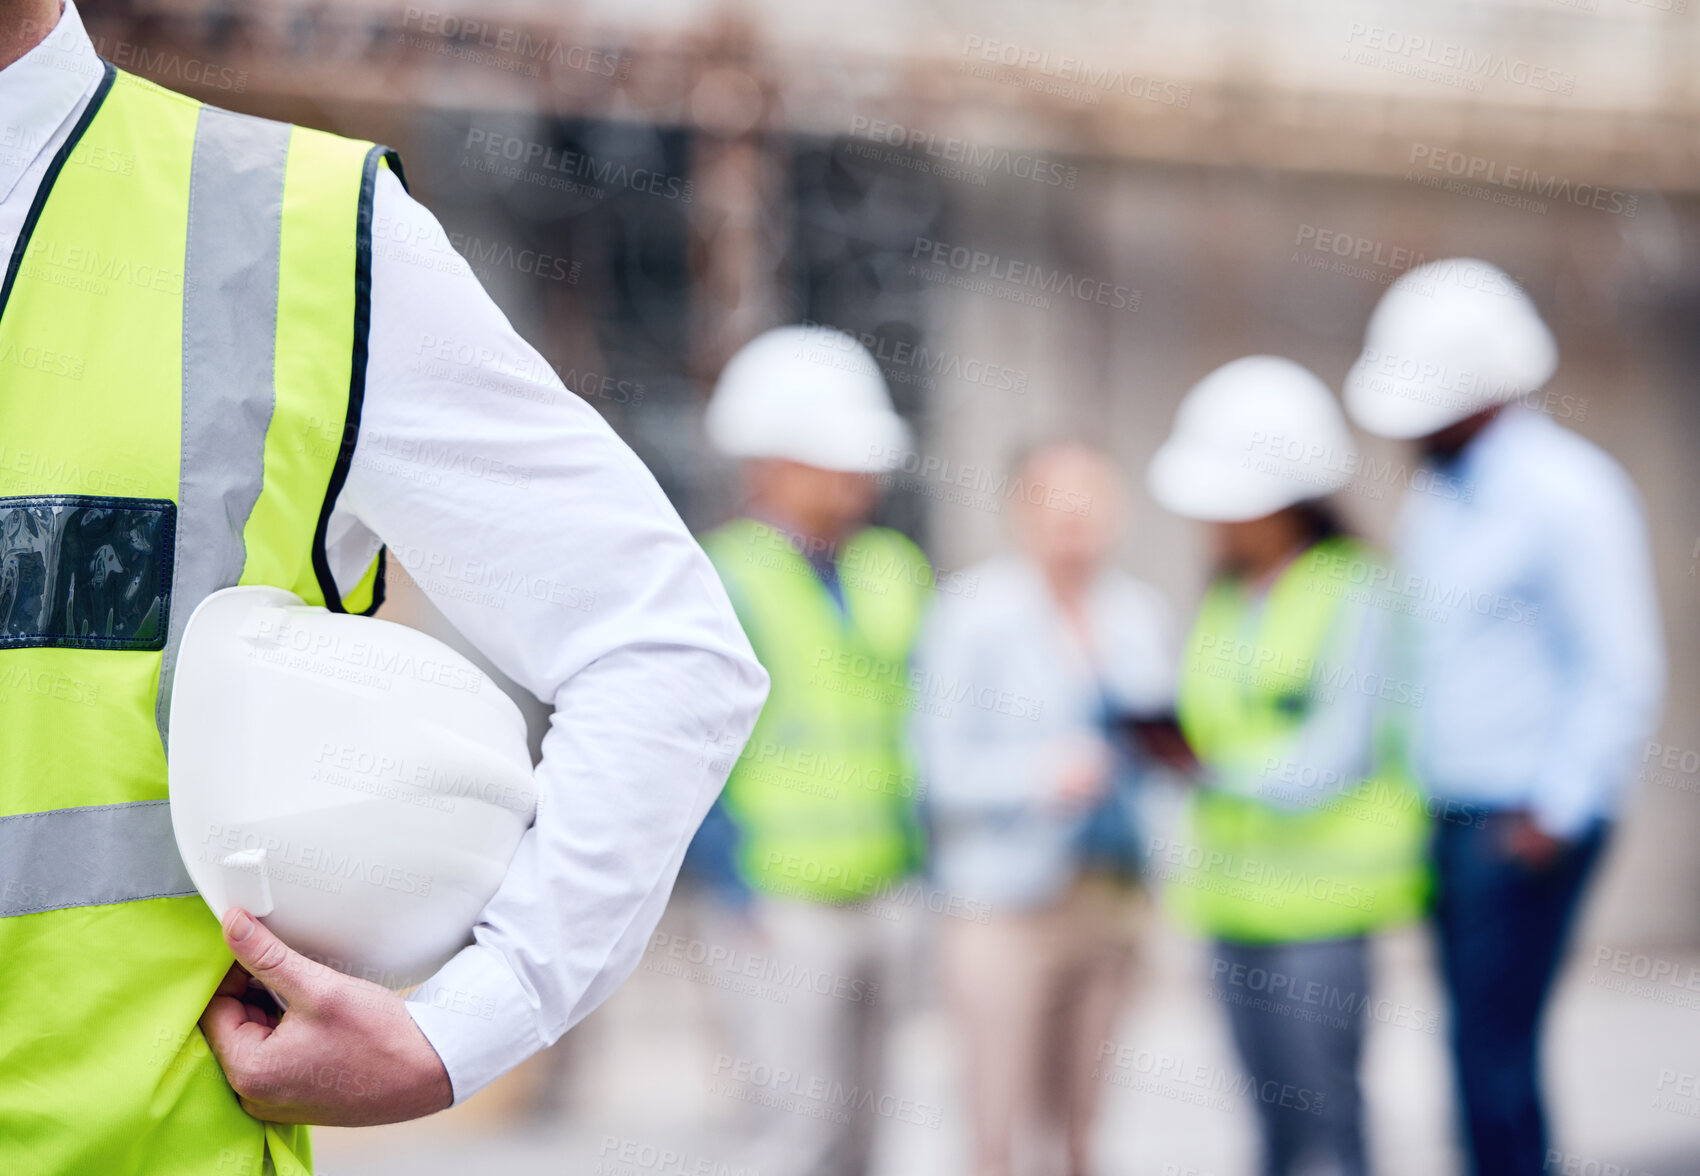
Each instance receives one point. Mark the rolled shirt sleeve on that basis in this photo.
(547, 544)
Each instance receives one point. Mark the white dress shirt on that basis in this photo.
(550, 547)
(1535, 625)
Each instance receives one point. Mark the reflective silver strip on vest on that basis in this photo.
(94, 856)
(126, 852)
(230, 275)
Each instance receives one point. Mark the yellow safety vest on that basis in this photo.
(1245, 867)
(182, 361)
(824, 795)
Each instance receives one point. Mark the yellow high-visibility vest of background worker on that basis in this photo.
(817, 830)
(1304, 835)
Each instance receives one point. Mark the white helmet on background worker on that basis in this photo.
(810, 394)
(1254, 436)
(1447, 340)
(356, 784)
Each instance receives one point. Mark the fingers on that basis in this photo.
(268, 959)
(261, 1006)
(233, 1030)
(238, 1033)
(264, 999)
(235, 982)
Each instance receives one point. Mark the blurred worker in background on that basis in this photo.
(1540, 655)
(817, 828)
(1026, 678)
(1304, 835)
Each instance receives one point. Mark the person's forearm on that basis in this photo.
(620, 796)
(546, 543)
(1589, 757)
(1605, 615)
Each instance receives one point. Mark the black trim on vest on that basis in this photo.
(356, 382)
(394, 160)
(378, 586)
(52, 174)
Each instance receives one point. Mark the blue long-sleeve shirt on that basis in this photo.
(1536, 628)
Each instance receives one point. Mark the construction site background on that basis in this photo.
(1043, 218)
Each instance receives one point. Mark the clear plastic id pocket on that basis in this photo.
(80, 572)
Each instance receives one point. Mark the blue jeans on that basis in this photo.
(1502, 928)
(1297, 1015)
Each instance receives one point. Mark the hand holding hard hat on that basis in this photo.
(347, 1054)
(356, 785)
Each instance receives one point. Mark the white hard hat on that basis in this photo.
(1449, 339)
(357, 785)
(1254, 436)
(811, 394)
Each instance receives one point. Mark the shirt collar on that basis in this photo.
(1478, 452)
(40, 91)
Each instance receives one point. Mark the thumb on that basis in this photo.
(269, 959)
